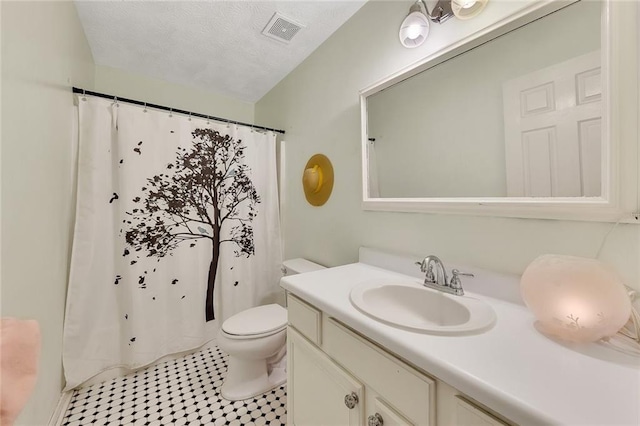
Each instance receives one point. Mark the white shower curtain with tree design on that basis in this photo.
(177, 228)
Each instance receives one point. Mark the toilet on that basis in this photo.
(255, 342)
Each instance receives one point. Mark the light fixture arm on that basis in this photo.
(441, 12)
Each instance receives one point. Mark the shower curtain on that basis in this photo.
(372, 162)
(177, 228)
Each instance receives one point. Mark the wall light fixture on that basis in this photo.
(415, 27)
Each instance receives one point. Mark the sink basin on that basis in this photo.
(411, 306)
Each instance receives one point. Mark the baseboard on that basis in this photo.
(58, 414)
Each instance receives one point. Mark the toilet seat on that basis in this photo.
(261, 321)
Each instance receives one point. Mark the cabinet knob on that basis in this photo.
(375, 420)
(351, 400)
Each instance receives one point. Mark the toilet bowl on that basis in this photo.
(255, 341)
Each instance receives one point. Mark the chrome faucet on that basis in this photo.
(426, 266)
(439, 280)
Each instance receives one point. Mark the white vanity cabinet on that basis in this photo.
(337, 377)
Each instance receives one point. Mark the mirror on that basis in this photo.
(518, 116)
(511, 121)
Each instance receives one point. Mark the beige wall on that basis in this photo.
(44, 52)
(135, 86)
(318, 106)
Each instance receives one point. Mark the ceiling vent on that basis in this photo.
(281, 28)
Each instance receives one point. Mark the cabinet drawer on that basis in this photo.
(406, 389)
(305, 318)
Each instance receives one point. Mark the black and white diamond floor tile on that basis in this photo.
(185, 391)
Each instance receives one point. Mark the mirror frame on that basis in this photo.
(620, 199)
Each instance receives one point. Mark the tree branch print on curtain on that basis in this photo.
(205, 190)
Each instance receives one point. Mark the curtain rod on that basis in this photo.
(178, 111)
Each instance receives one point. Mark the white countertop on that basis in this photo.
(512, 368)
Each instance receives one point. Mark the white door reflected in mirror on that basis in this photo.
(552, 128)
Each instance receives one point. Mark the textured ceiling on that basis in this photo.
(213, 45)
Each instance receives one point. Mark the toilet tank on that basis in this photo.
(299, 266)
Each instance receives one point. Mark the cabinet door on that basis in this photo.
(470, 415)
(317, 387)
(383, 414)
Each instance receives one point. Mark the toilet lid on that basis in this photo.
(259, 320)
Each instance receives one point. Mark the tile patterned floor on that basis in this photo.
(184, 391)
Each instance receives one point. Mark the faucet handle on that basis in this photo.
(430, 277)
(455, 278)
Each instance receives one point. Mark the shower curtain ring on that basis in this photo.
(189, 116)
(145, 107)
(84, 93)
(115, 102)
(170, 112)
(208, 120)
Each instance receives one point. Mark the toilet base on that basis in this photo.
(248, 378)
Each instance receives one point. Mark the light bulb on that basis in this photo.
(467, 9)
(413, 32)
